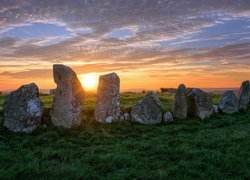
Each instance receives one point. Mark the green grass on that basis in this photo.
(218, 148)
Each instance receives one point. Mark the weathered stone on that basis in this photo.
(199, 103)
(229, 103)
(179, 107)
(244, 96)
(215, 109)
(23, 109)
(148, 110)
(109, 119)
(168, 117)
(69, 97)
(126, 117)
(108, 98)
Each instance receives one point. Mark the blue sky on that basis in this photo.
(151, 38)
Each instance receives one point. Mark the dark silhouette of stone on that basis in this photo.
(229, 103)
(179, 107)
(69, 98)
(108, 98)
(148, 110)
(244, 96)
(199, 103)
(23, 109)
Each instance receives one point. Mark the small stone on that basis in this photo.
(109, 119)
(168, 117)
(126, 117)
(148, 110)
(23, 109)
(215, 109)
(229, 103)
(108, 98)
(199, 104)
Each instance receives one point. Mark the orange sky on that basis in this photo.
(149, 44)
(137, 80)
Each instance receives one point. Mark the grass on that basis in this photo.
(218, 148)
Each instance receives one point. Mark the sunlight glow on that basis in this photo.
(89, 81)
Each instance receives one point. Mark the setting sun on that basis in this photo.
(89, 81)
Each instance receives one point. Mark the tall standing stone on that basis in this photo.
(199, 103)
(229, 103)
(23, 109)
(244, 96)
(108, 98)
(148, 110)
(179, 107)
(69, 98)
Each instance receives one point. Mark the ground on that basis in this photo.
(218, 148)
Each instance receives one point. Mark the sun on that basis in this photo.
(89, 81)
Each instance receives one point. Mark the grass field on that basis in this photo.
(218, 148)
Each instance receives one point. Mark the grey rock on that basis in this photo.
(168, 117)
(244, 96)
(215, 109)
(229, 103)
(109, 119)
(179, 107)
(199, 103)
(122, 118)
(68, 99)
(148, 110)
(23, 109)
(126, 117)
(108, 98)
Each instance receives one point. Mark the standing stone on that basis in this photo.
(69, 97)
(108, 98)
(168, 117)
(179, 108)
(244, 96)
(23, 109)
(199, 103)
(229, 103)
(148, 110)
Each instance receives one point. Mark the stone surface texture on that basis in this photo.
(229, 103)
(244, 96)
(148, 110)
(108, 98)
(69, 96)
(23, 109)
(179, 107)
(199, 104)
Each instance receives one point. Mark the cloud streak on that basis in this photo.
(154, 38)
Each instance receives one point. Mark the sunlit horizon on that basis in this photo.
(89, 81)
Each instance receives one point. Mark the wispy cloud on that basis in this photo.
(165, 37)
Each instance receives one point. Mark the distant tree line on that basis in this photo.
(168, 90)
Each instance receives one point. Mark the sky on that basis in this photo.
(148, 43)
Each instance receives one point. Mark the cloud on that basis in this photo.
(165, 37)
